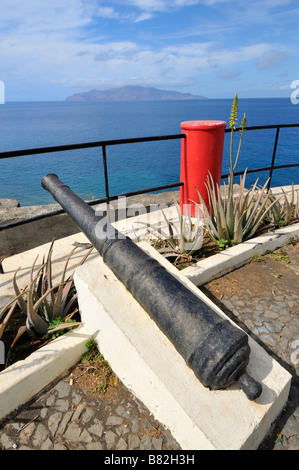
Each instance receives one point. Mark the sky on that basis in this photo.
(51, 49)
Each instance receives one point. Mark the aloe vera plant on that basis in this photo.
(235, 217)
(184, 238)
(190, 233)
(43, 301)
(286, 212)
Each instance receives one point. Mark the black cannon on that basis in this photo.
(215, 349)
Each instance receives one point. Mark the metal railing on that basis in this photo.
(104, 144)
(272, 167)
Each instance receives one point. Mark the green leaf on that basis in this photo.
(35, 320)
(62, 326)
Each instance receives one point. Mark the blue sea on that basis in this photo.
(131, 167)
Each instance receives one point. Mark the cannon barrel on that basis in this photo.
(215, 349)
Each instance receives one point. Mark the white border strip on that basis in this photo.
(226, 261)
(23, 380)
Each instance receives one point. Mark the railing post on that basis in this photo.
(201, 154)
(273, 158)
(105, 171)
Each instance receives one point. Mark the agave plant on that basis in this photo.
(182, 239)
(190, 232)
(7, 312)
(286, 212)
(43, 302)
(234, 217)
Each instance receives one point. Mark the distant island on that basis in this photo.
(128, 93)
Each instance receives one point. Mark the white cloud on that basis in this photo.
(271, 59)
(143, 17)
(230, 74)
(161, 5)
(122, 63)
(64, 42)
(107, 12)
(34, 15)
(166, 5)
(63, 58)
(160, 82)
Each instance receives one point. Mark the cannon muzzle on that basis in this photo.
(215, 349)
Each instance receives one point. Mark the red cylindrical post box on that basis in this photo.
(202, 152)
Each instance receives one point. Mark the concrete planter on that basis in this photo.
(232, 258)
(217, 265)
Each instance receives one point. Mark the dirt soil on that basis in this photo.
(94, 374)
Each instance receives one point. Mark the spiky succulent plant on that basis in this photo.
(43, 301)
(234, 217)
(285, 212)
(182, 237)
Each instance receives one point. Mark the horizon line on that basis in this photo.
(114, 101)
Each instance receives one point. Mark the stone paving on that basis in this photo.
(66, 417)
(262, 297)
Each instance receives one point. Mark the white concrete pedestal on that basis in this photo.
(148, 364)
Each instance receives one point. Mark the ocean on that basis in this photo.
(131, 167)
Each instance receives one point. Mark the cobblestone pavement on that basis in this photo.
(66, 417)
(262, 297)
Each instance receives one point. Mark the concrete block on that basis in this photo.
(148, 364)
